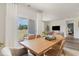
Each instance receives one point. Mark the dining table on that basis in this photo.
(40, 45)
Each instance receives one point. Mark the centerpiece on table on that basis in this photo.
(50, 37)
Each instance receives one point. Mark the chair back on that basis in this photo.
(62, 44)
(61, 47)
(6, 51)
(38, 36)
(30, 37)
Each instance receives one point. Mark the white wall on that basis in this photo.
(48, 16)
(26, 12)
(39, 23)
(76, 27)
(10, 34)
(2, 22)
(60, 23)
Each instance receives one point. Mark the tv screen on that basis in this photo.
(55, 27)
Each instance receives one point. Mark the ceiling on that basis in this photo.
(56, 11)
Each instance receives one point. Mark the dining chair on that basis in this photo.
(6, 51)
(38, 36)
(56, 51)
(57, 45)
(30, 37)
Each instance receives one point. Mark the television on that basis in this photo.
(56, 28)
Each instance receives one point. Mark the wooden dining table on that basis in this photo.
(39, 45)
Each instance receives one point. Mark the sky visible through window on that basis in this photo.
(22, 21)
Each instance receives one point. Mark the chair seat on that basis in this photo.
(18, 52)
(30, 37)
(52, 52)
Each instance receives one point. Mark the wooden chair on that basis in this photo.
(30, 37)
(57, 45)
(38, 36)
(56, 51)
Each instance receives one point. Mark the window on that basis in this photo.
(22, 27)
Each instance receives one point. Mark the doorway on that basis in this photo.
(70, 27)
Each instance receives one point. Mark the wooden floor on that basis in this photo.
(73, 44)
